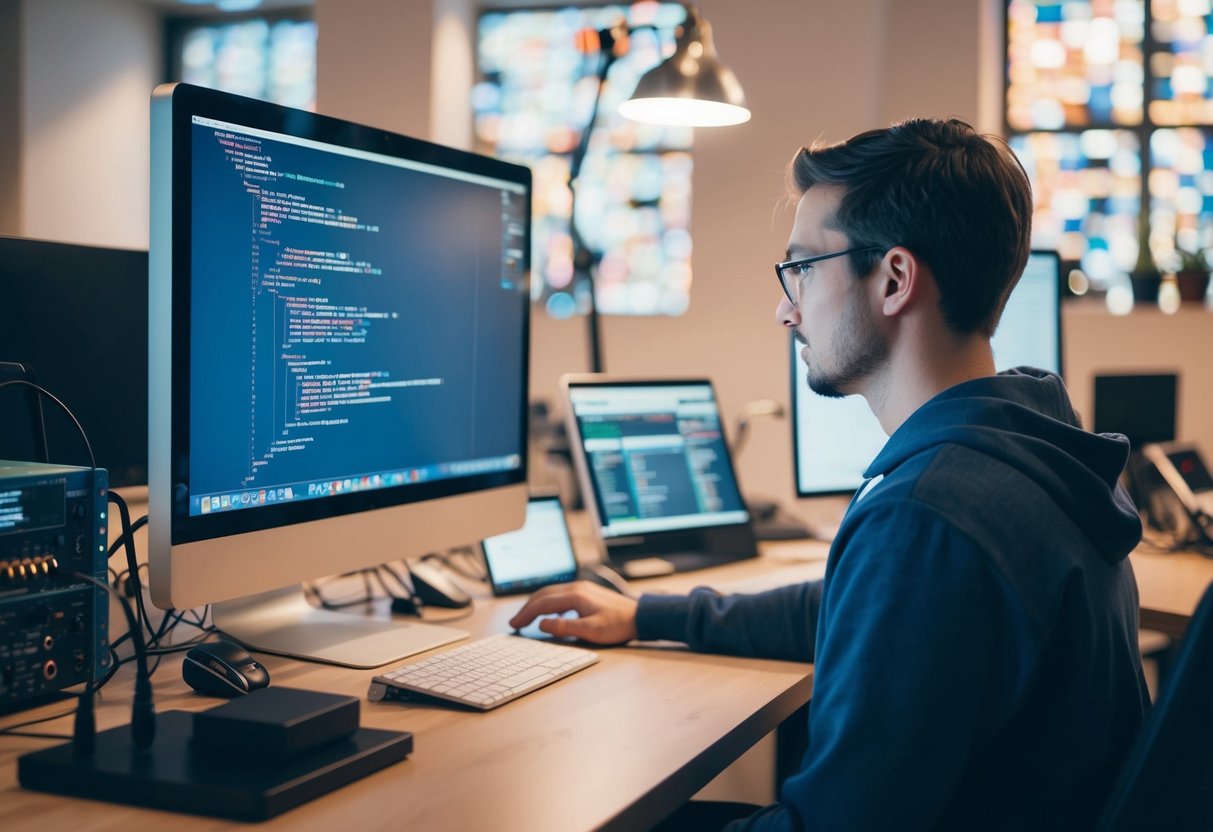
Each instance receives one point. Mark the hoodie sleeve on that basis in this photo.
(922, 652)
(777, 624)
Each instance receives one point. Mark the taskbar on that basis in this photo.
(255, 497)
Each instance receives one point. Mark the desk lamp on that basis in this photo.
(691, 88)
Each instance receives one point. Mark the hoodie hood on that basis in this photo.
(1024, 418)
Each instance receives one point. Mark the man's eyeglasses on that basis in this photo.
(791, 272)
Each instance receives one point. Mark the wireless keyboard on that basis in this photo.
(483, 674)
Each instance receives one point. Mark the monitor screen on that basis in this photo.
(340, 342)
(656, 456)
(836, 439)
(77, 316)
(1142, 407)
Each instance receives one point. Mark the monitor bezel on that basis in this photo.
(187, 102)
(796, 368)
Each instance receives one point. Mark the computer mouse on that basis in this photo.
(604, 576)
(223, 668)
(434, 588)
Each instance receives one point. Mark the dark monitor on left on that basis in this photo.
(77, 316)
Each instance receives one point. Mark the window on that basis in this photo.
(1109, 105)
(270, 59)
(634, 193)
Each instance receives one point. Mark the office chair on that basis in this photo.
(1166, 782)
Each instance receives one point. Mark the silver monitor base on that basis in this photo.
(284, 622)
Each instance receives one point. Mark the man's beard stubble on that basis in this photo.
(859, 349)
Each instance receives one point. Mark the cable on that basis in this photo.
(406, 604)
(121, 540)
(48, 394)
(35, 735)
(447, 559)
(143, 709)
(400, 581)
(127, 539)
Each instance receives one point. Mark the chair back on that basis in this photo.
(1167, 780)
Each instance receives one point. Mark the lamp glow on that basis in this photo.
(683, 112)
(691, 88)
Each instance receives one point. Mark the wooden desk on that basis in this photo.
(1170, 585)
(617, 746)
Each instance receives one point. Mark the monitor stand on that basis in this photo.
(283, 622)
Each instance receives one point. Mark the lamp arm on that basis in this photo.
(583, 258)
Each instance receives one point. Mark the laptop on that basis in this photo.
(654, 466)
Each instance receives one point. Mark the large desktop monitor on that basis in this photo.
(834, 440)
(338, 376)
(77, 317)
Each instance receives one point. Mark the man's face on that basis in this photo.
(843, 343)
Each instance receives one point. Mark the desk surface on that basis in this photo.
(1170, 584)
(616, 746)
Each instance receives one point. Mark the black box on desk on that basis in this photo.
(276, 723)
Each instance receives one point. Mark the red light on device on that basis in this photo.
(1187, 466)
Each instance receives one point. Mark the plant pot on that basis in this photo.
(1192, 285)
(1145, 286)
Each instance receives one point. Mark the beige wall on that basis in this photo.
(374, 61)
(810, 68)
(88, 72)
(1146, 342)
(10, 117)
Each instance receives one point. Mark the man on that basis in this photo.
(975, 635)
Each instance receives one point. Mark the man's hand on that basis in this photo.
(605, 617)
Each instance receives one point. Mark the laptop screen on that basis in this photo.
(656, 456)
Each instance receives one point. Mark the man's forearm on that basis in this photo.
(777, 624)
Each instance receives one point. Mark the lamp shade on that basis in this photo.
(692, 87)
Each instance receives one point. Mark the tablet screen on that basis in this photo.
(538, 554)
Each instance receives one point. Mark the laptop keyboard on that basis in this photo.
(484, 674)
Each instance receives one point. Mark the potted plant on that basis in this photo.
(1191, 274)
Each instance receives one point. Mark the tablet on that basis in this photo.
(538, 554)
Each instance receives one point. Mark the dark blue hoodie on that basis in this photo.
(975, 635)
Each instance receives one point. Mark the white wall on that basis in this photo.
(89, 67)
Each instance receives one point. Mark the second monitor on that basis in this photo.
(836, 439)
(654, 465)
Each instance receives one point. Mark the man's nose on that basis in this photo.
(786, 314)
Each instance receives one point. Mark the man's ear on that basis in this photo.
(901, 279)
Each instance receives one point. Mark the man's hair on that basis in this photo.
(960, 202)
